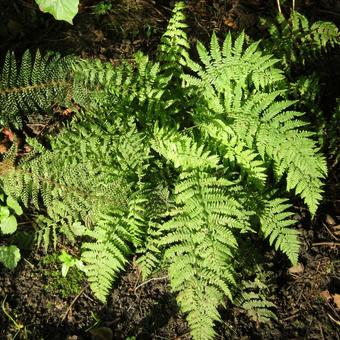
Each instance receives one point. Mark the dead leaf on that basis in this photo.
(8, 133)
(326, 295)
(330, 220)
(297, 269)
(336, 299)
(336, 230)
(3, 148)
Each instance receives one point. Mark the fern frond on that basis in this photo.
(150, 252)
(275, 221)
(236, 152)
(200, 240)
(249, 68)
(174, 46)
(304, 165)
(46, 229)
(295, 42)
(107, 255)
(36, 83)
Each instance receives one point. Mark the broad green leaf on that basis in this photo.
(66, 258)
(68, 262)
(8, 225)
(9, 256)
(4, 212)
(64, 269)
(13, 204)
(60, 9)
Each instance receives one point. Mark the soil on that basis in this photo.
(305, 296)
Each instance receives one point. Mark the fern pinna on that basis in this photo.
(177, 160)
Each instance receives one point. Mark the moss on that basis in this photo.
(56, 284)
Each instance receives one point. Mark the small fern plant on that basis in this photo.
(299, 44)
(296, 41)
(175, 160)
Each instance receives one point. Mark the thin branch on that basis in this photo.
(72, 303)
(279, 6)
(329, 244)
(152, 279)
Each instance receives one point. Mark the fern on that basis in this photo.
(199, 237)
(36, 84)
(176, 160)
(105, 257)
(298, 42)
(174, 45)
(253, 298)
(275, 223)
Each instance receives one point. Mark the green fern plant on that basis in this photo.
(297, 41)
(298, 44)
(253, 298)
(176, 160)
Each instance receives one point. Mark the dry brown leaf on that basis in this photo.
(297, 269)
(330, 220)
(3, 148)
(336, 230)
(336, 299)
(326, 295)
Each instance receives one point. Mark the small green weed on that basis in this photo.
(102, 8)
(56, 283)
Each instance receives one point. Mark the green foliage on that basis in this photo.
(9, 256)
(253, 298)
(60, 9)
(176, 160)
(102, 8)
(9, 207)
(36, 83)
(68, 261)
(56, 283)
(298, 44)
(296, 41)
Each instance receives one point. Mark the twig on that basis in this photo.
(336, 321)
(329, 244)
(293, 5)
(330, 233)
(88, 297)
(321, 331)
(152, 279)
(32, 265)
(72, 303)
(295, 314)
(279, 6)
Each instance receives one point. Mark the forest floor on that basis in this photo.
(40, 304)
